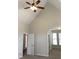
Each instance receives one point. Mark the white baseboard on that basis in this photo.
(20, 56)
(45, 55)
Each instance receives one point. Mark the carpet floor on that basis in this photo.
(54, 54)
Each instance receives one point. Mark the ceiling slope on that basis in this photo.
(26, 16)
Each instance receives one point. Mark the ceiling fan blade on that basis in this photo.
(28, 3)
(27, 8)
(38, 1)
(40, 7)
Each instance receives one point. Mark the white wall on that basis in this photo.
(20, 45)
(47, 19)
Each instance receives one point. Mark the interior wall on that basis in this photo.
(22, 28)
(50, 17)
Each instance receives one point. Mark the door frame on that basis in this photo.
(27, 44)
(24, 42)
(48, 33)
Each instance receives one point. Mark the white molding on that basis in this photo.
(44, 55)
(55, 28)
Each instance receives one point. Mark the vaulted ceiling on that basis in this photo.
(27, 15)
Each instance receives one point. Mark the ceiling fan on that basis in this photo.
(34, 6)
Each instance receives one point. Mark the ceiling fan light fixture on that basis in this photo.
(33, 8)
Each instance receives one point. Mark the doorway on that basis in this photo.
(25, 41)
(54, 38)
(28, 44)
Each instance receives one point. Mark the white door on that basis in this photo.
(30, 45)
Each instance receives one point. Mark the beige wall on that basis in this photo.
(22, 28)
(47, 19)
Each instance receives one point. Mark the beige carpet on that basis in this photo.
(54, 54)
(34, 57)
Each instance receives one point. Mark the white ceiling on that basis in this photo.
(27, 15)
(56, 3)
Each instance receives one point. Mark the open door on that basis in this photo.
(30, 47)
